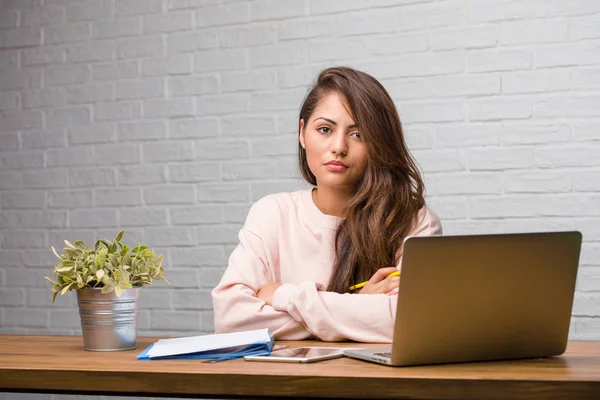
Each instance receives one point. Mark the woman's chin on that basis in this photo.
(335, 182)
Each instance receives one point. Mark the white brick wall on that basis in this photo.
(168, 118)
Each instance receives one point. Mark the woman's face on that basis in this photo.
(335, 153)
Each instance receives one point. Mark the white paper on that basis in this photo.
(195, 344)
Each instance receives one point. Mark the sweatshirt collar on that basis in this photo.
(322, 220)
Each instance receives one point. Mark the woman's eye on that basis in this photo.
(324, 130)
(356, 135)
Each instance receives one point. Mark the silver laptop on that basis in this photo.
(481, 298)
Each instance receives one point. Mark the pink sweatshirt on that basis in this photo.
(287, 239)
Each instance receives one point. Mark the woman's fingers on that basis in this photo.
(380, 283)
(381, 274)
(392, 283)
(392, 292)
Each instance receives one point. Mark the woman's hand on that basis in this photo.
(267, 291)
(379, 284)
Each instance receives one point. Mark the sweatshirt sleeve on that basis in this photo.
(428, 224)
(235, 303)
(359, 317)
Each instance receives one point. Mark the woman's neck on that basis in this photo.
(330, 201)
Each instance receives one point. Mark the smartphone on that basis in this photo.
(300, 355)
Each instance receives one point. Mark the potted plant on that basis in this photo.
(107, 278)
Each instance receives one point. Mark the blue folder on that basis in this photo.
(263, 348)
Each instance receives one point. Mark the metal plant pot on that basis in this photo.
(108, 322)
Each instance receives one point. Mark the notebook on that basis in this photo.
(481, 298)
(215, 346)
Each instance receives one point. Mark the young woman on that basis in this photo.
(300, 252)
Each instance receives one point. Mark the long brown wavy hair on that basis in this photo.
(389, 195)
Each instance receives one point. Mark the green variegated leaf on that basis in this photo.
(107, 289)
(125, 285)
(55, 253)
(100, 259)
(100, 274)
(118, 290)
(72, 254)
(113, 260)
(126, 260)
(124, 249)
(66, 288)
(70, 245)
(148, 253)
(139, 248)
(51, 281)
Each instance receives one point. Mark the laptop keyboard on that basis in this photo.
(388, 355)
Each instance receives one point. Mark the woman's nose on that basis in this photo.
(340, 144)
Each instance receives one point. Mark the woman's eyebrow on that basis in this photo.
(332, 121)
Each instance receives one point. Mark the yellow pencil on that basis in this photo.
(359, 285)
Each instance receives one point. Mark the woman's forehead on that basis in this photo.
(335, 107)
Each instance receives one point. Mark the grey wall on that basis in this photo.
(169, 118)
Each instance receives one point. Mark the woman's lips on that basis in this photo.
(336, 166)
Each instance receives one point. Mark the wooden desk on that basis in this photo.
(58, 364)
